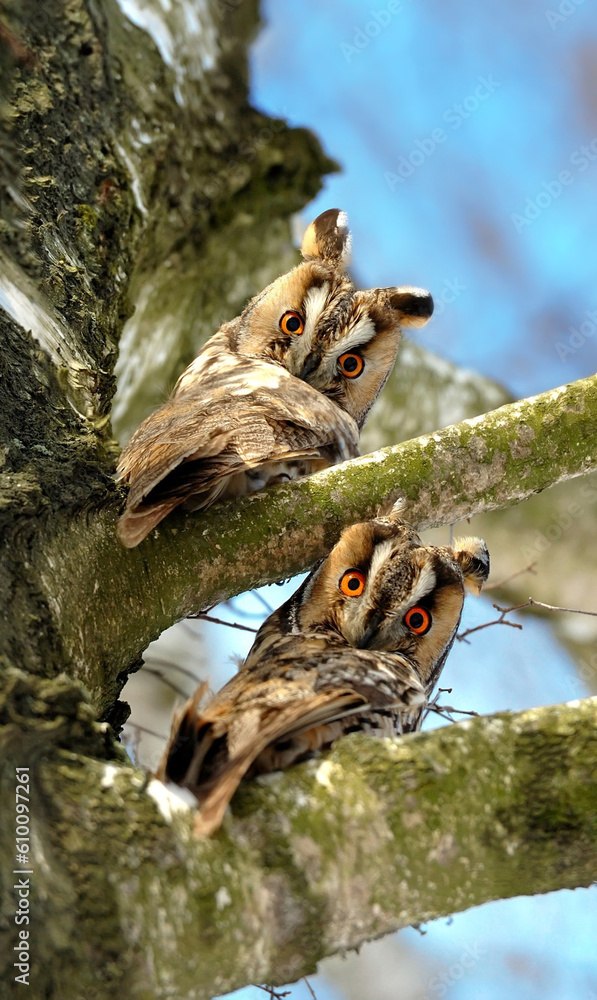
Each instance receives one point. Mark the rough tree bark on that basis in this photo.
(134, 170)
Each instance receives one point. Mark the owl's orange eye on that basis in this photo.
(352, 583)
(351, 365)
(418, 620)
(292, 322)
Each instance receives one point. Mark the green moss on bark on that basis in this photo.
(376, 835)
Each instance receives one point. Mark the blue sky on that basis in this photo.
(514, 96)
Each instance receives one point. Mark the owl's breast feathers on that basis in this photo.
(224, 419)
(303, 695)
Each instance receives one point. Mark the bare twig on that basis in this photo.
(272, 992)
(309, 987)
(511, 576)
(462, 636)
(445, 711)
(220, 621)
(448, 710)
(531, 603)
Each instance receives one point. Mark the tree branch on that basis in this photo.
(112, 602)
(378, 835)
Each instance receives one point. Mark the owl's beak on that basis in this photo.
(370, 632)
(311, 362)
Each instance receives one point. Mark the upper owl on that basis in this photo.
(349, 339)
(314, 323)
(280, 391)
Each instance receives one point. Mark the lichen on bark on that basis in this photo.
(378, 835)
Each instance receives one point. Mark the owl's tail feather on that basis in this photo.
(302, 733)
(135, 524)
(212, 808)
(198, 755)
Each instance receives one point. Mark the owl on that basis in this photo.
(305, 692)
(381, 588)
(359, 646)
(277, 393)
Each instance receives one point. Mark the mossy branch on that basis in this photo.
(378, 835)
(110, 602)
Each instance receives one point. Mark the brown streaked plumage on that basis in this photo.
(305, 693)
(359, 646)
(234, 432)
(244, 414)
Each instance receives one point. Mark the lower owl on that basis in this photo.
(358, 647)
(381, 588)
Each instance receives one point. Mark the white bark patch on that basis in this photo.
(326, 772)
(185, 36)
(171, 799)
(223, 898)
(136, 187)
(107, 779)
(25, 304)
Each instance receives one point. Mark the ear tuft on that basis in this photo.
(328, 238)
(472, 555)
(413, 305)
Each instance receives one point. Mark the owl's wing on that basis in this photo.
(301, 698)
(247, 415)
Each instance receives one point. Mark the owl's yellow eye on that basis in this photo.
(352, 583)
(351, 365)
(418, 620)
(292, 322)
